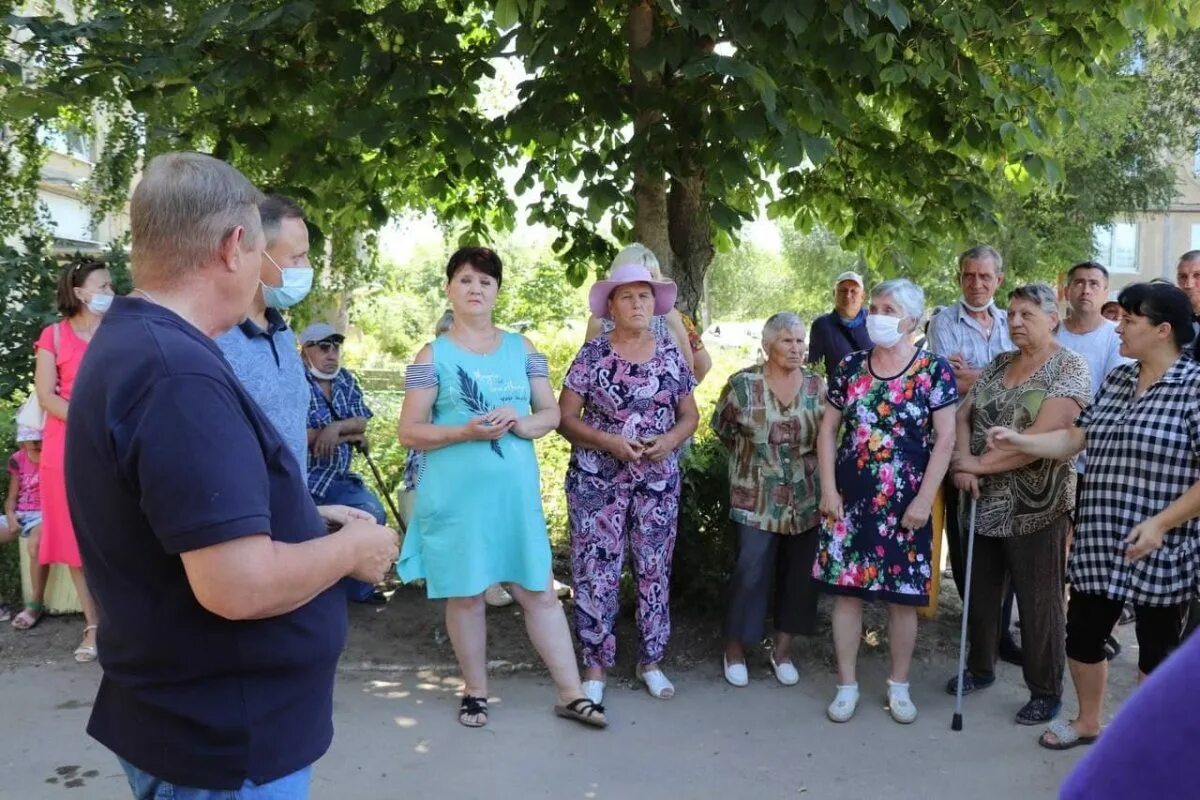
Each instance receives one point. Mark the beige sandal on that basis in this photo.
(85, 654)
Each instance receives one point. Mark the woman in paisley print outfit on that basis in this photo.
(884, 446)
(627, 408)
(767, 418)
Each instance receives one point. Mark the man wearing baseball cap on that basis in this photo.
(842, 331)
(337, 421)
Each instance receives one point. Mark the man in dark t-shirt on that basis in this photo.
(208, 559)
(842, 331)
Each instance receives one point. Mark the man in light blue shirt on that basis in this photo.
(262, 349)
(970, 333)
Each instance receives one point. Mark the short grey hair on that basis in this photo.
(183, 209)
(1040, 294)
(906, 293)
(638, 253)
(980, 252)
(444, 323)
(776, 324)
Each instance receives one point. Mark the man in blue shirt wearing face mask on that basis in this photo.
(262, 349)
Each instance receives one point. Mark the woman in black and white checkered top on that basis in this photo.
(1136, 532)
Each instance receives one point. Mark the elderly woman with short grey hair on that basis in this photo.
(1023, 503)
(884, 445)
(767, 417)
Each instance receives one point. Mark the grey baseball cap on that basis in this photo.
(849, 275)
(320, 332)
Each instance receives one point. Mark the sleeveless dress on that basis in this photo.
(58, 545)
(478, 517)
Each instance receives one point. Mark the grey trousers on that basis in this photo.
(772, 560)
(1036, 564)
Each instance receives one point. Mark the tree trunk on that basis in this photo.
(650, 219)
(691, 239)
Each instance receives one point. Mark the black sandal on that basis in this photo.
(470, 709)
(585, 711)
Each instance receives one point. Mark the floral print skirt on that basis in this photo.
(867, 553)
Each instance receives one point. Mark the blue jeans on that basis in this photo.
(147, 787)
(351, 491)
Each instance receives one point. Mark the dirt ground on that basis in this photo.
(410, 632)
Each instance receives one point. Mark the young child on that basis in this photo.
(23, 513)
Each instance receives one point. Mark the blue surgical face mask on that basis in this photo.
(297, 282)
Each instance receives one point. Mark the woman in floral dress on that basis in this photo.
(884, 446)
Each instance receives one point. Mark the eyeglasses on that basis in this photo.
(325, 347)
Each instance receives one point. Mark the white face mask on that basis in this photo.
(977, 309)
(324, 376)
(884, 330)
(100, 303)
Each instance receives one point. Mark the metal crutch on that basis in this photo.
(387, 497)
(956, 723)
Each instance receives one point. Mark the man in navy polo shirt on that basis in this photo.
(211, 566)
(842, 331)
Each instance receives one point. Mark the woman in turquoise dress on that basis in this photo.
(475, 399)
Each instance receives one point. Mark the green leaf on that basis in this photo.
(897, 14)
(817, 148)
(507, 14)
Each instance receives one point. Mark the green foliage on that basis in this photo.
(10, 555)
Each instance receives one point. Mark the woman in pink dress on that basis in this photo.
(84, 294)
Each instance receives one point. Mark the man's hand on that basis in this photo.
(338, 516)
(377, 549)
(327, 441)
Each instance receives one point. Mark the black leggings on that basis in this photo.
(1090, 620)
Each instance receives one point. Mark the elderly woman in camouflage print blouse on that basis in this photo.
(768, 418)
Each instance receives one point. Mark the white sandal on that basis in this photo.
(900, 705)
(844, 704)
(735, 674)
(785, 672)
(86, 654)
(656, 683)
(594, 691)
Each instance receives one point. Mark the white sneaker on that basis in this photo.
(735, 673)
(497, 596)
(844, 704)
(785, 672)
(900, 705)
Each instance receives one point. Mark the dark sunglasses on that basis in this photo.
(325, 347)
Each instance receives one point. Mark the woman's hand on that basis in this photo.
(967, 483)
(504, 415)
(831, 504)
(916, 515)
(965, 463)
(624, 449)
(658, 448)
(1001, 438)
(1144, 539)
(478, 429)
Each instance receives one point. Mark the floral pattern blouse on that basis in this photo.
(773, 477)
(637, 401)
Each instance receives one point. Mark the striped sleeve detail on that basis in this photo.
(537, 366)
(420, 376)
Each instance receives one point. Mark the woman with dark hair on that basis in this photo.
(1024, 503)
(84, 293)
(475, 399)
(1142, 435)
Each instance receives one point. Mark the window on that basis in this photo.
(1115, 246)
(1195, 238)
(67, 141)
